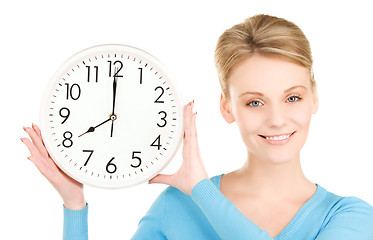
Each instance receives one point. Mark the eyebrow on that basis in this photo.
(261, 94)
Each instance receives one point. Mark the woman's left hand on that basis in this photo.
(192, 170)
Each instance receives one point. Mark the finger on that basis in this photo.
(48, 169)
(36, 129)
(186, 115)
(38, 132)
(193, 131)
(37, 141)
(194, 125)
(162, 178)
(187, 118)
(31, 147)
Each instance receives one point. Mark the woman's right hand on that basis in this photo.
(70, 190)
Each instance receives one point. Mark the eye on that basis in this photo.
(254, 103)
(294, 98)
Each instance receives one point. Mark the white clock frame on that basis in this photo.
(81, 63)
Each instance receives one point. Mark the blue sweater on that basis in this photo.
(207, 214)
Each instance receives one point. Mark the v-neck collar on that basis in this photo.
(300, 216)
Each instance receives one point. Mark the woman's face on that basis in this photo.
(272, 102)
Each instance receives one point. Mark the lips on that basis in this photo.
(278, 139)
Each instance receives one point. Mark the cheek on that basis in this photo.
(301, 116)
(249, 122)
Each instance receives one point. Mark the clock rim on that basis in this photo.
(62, 69)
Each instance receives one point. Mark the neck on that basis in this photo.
(265, 179)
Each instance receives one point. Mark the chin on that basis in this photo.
(281, 155)
(280, 158)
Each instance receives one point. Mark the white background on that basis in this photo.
(38, 36)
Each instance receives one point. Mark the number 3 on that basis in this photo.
(164, 119)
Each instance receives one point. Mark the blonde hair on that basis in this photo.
(264, 35)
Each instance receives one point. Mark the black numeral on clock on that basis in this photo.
(118, 65)
(162, 91)
(137, 158)
(157, 142)
(111, 167)
(163, 119)
(89, 73)
(89, 157)
(65, 113)
(67, 142)
(140, 75)
(73, 92)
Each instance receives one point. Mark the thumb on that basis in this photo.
(162, 178)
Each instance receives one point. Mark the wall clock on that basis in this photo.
(112, 117)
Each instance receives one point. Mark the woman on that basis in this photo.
(265, 71)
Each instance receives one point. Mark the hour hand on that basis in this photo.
(92, 129)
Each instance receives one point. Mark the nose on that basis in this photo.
(276, 117)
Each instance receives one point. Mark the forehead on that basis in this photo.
(267, 75)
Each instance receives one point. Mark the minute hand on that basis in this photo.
(114, 93)
(113, 116)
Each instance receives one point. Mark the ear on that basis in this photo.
(315, 106)
(225, 110)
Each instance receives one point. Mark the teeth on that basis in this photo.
(282, 137)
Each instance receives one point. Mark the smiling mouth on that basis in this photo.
(278, 137)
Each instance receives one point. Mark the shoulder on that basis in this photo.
(350, 212)
(354, 207)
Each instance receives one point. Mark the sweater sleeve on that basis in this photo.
(351, 218)
(75, 224)
(225, 218)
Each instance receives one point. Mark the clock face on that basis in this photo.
(111, 117)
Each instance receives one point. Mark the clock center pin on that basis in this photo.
(113, 117)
